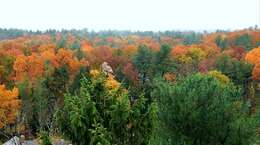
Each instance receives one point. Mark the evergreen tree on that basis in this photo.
(75, 86)
(244, 41)
(61, 43)
(143, 62)
(221, 42)
(163, 61)
(200, 110)
(238, 71)
(102, 113)
(75, 45)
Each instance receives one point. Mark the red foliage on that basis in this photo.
(131, 73)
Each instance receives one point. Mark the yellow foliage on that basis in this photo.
(185, 59)
(192, 54)
(196, 53)
(111, 83)
(219, 76)
(94, 73)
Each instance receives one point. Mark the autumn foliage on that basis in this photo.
(43, 67)
(9, 106)
(254, 57)
(29, 67)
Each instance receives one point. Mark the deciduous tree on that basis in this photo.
(9, 106)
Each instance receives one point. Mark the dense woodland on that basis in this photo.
(164, 88)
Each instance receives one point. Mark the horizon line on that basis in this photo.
(129, 30)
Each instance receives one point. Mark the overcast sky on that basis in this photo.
(129, 14)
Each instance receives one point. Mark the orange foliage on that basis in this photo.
(150, 43)
(49, 56)
(46, 47)
(130, 50)
(179, 50)
(99, 55)
(29, 67)
(236, 52)
(66, 57)
(32, 66)
(86, 47)
(9, 105)
(255, 36)
(253, 56)
(256, 72)
(170, 77)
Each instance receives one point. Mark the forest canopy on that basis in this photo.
(130, 88)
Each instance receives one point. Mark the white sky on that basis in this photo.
(129, 14)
